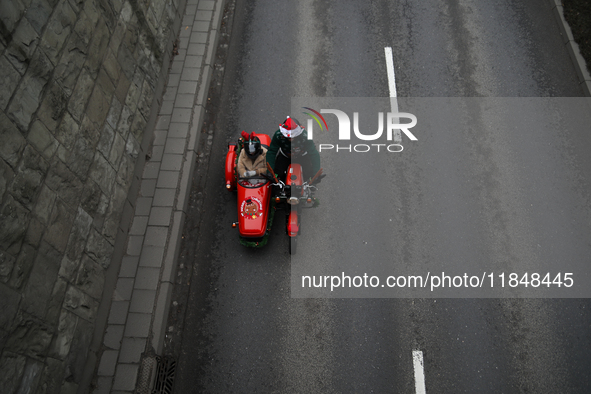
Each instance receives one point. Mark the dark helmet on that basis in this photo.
(252, 147)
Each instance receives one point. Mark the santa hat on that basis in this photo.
(290, 129)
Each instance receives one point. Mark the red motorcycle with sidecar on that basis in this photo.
(259, 197)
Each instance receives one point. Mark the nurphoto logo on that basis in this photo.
(394, 130)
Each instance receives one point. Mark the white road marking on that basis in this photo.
(390, 70)
(392, 88)
(417, 361)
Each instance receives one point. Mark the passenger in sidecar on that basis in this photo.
(252, 159)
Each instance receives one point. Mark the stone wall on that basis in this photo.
(78, 81)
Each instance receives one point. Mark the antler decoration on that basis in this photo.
(272, 172)
(316, 176)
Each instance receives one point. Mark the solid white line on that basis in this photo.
(417, 361)
(390, 70)
(392, 88)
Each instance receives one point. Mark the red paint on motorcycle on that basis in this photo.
(230, 164)
(293, 226)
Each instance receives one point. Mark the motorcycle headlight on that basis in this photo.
(293, 201)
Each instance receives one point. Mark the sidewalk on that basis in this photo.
(140, 303)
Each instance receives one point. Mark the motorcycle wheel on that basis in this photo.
(293, 245)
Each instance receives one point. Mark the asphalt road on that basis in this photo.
(471, 196)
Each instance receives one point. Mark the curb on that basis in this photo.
(572, 47)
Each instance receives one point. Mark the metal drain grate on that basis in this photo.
(165, 372)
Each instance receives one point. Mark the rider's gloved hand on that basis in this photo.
(249, 173)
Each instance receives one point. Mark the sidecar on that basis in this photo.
(255, 210)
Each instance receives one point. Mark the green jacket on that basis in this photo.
(300, 146)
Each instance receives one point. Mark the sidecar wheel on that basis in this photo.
(293, 245)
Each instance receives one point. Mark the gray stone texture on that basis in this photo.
(78, 83)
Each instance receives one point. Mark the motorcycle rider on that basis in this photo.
(252, 158)
(292, 140)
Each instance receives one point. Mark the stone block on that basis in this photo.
(24, 42)
(30, 337)
(38, 14)
(22, 267)
(138, 227)
(204, 15)
(8, 81)
(125, 377)
(80, 158)
(147, 278)
(13, 143)
(91, 278)
(45, 203)
(191, 74)
(125, 122)
(60, 345)
(106, 140)
(126, 60)
(138, 325)
(42, 139)
(142, 301)
(122, 88)
(164, 197)
(129, 266)
(90, 198)
(108, 363)
(126, 170)
(113, 336)
(67, 131)
(103, 174)
(118, 312)
(59, 226)
(99, 249)
(11, 12)
(208, 5)
(85, 25)
(15, 220)
(151, 256)
(145, 102)
(98, 106)
(80, 96)
(12, 367)
(156, 235)
(31, 375)
(111, 66)
(79, 348)
(97, 47)
(24, 104)
(69, 64)
(51, 379)
(113, 215)
(106, 84)
(41, 282)
(131, 350)
(34, 232)
(6, 177)
(160, 216)
(7, 263)
(26, 184)
(57, 31)
(10, 301)
(56, 301)
(114, 112)
(65, 183)
(117, 150)
(168, 179)
(80, 304)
